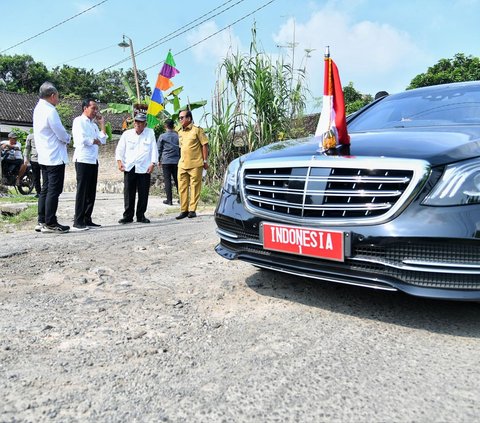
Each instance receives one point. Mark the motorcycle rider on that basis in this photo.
(13, 159)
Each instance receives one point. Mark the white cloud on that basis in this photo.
(373, 56)
(217, 47)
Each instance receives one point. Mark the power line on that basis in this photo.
(215, 33)
(177, 33)
(149, 45)
(87, 54)
(161, 40)
(54, 26)
(165, 39)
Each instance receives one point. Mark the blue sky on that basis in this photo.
(377, 44)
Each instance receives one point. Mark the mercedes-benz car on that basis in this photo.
(397, 209)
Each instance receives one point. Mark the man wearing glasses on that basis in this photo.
(136, 156)
(193, 160)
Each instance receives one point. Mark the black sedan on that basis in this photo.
(397, 209)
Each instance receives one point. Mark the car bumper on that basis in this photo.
(428, 252)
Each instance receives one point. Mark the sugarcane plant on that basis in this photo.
(257, 101)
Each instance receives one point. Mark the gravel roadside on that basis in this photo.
(146, 323)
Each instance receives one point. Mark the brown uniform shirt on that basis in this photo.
(191, 140)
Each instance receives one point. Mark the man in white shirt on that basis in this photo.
(86, 139)
(136, 156)
(51, 140)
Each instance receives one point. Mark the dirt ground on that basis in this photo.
(146, 323)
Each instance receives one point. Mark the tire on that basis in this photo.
(26, 184)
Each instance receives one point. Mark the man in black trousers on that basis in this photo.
(87, 137)
(136, 156)
(51, 140)
(168, 156)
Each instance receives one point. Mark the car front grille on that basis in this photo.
(319, 191)
(238, 228)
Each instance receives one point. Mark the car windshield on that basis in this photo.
(447, 105)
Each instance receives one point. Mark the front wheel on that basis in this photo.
(26, 184)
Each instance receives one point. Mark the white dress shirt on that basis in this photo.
(137, 150)
(51, 138)
(85, 132)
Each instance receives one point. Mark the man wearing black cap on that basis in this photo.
(136, 156)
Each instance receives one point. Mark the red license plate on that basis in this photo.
(304, 241)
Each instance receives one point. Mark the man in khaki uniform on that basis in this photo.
(193, 159)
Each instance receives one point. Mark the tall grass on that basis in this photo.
(257, 101)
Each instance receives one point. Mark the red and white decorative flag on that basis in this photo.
(332, 126)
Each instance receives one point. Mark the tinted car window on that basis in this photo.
(428, 107)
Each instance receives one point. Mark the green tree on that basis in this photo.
(77, 81)
(111, 89)
(65, 111)
(144, 87)
(354, 100)
(20, 73)
(458, 69)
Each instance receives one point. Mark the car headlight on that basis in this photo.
(460, 184)
(230, 181)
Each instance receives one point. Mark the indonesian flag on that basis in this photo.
(332, 126)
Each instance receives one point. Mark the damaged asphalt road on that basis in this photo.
(146, 323)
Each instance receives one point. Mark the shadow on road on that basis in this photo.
(439, 316)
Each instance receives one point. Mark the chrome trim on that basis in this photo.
(365, 206)
(324, 278)
(454, 269)
(421, 170)
(428, 264)
(234, 239)
(333, 193)
(221, 232)
(358, 179)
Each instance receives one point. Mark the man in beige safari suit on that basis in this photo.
(193, 159)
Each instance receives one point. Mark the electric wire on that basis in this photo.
(160, 41)
(149, 45)
(54, 26)
(86, 54)
(215, 33)
(176, 33)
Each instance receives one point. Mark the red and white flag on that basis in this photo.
(332, 126)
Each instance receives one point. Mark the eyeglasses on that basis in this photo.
(182, 117)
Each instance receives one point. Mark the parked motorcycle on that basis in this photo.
(9, 177)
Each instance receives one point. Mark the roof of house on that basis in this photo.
(17, 108)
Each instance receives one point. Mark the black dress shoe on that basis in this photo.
(182, 215)
(79, 227)
(143, 220)
(168, 203)
(123, 221)
(192, 214)
(93, 225)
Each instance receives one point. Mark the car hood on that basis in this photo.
(438, 146)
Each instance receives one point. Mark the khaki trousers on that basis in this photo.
(189, 180)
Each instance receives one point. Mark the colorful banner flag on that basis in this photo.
(168, 69)
(163, 83)
(332, 125)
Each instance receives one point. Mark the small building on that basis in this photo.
(16, 111)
